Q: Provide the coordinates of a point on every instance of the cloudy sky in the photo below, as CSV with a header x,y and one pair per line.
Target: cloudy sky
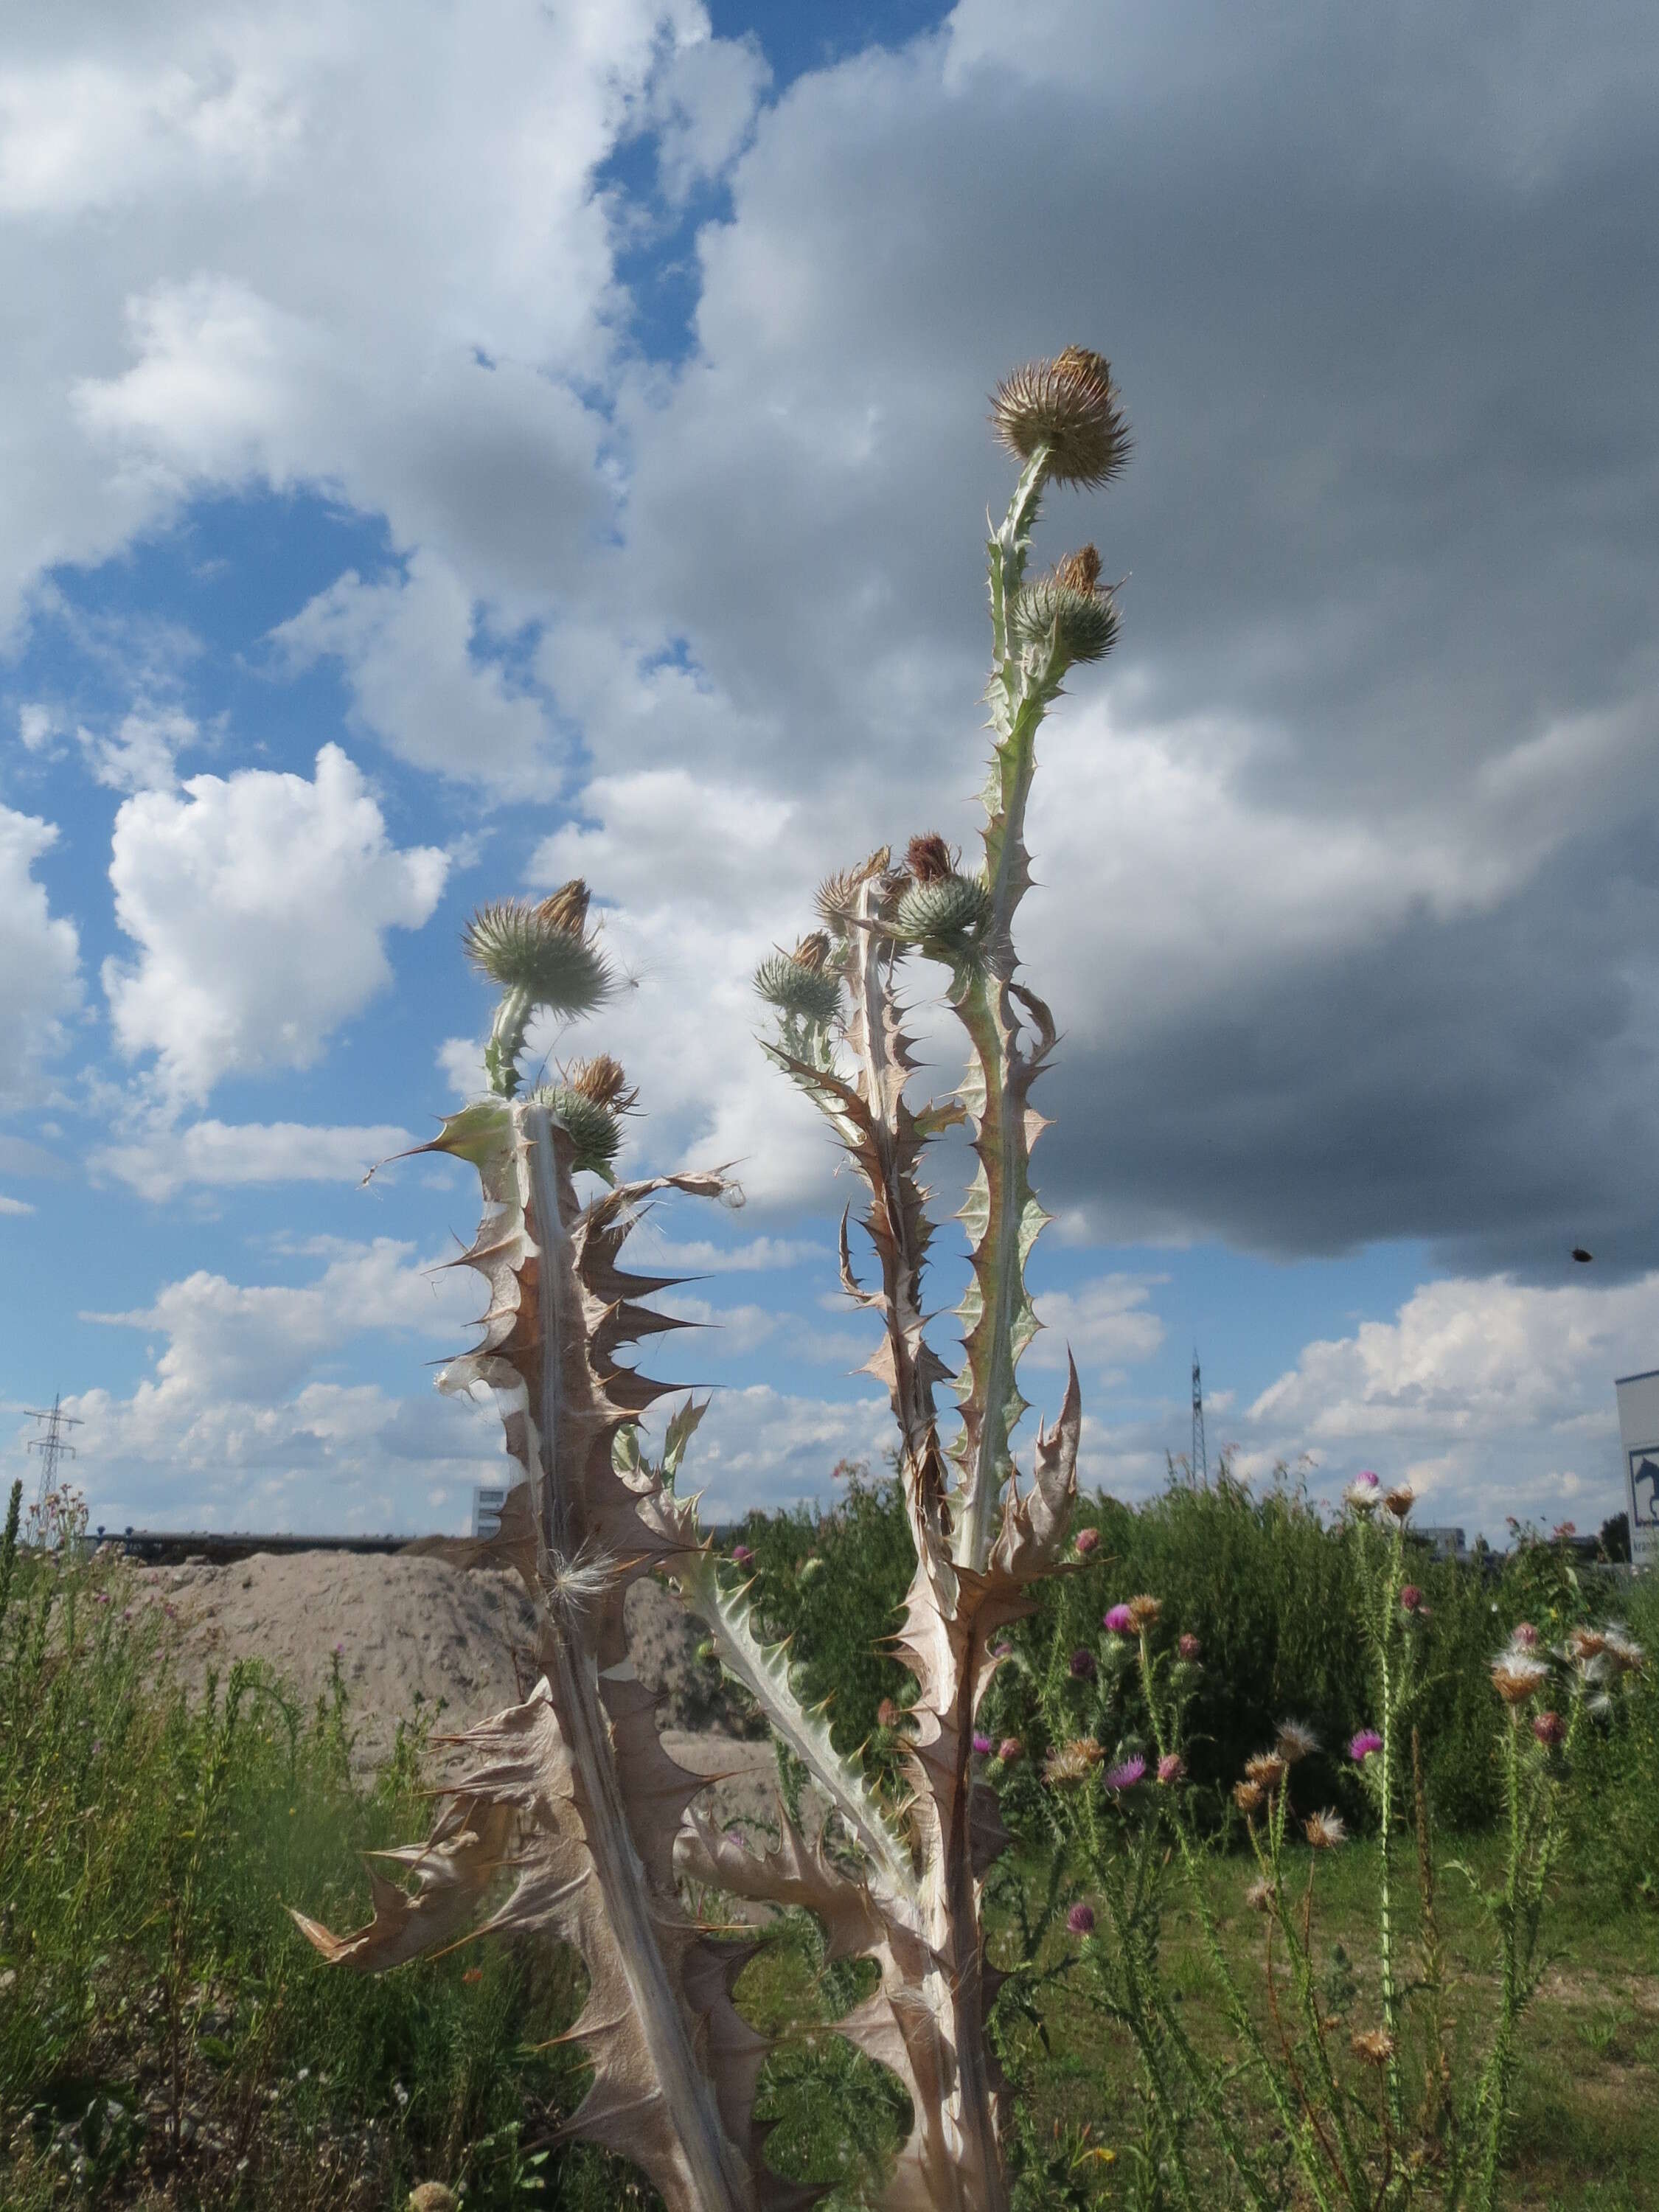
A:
x,y
448,450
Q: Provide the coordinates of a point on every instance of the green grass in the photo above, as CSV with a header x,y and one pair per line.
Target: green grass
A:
x,y
166,2037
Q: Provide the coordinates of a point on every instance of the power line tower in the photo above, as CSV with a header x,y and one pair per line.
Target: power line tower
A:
x,y
1200,1460
52,1443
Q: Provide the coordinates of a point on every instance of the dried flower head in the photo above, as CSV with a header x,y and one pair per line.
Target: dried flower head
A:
x,y
1625,1652
1079,571
1171,1769
1295,1740
1586,1642
1259,1895
1325,1831
1249,1797
1374,2045
602,1080
1399,1500
1125,1774
1549,1729
1266,1769
1517,1676
812,953
1361,1746
1068,404
836,894
1071,1762
1088,1540
1081,1920
1145,1611
929,858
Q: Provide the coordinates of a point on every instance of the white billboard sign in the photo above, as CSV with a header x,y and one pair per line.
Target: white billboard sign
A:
x,y
1638,1433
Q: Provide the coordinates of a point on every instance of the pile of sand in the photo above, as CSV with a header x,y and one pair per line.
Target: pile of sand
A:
x,y
416,1635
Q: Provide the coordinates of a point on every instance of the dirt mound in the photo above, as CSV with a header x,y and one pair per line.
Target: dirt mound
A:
x,y
416,1635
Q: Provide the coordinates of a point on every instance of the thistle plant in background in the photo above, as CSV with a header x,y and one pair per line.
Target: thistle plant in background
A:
x,y
571,1793
1371,2107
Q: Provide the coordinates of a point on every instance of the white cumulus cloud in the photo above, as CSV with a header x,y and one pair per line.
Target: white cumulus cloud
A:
x,y
259,905
39,962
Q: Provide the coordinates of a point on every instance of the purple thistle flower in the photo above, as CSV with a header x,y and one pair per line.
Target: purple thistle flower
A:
x,y
1368,1478
1083,1666
1126,1773
1363,1745
982,1744
1119,1621
339,1651
1087,1541
741,1555
1081,1920
1411,1597
1010,1749
1171,1768
1189,1648
1549,1729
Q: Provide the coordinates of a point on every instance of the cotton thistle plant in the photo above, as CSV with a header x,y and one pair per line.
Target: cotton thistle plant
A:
x,y
571,1792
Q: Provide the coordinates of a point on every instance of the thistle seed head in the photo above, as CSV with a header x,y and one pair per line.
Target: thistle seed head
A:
x,y
1248,1798
1516,1676
1374,2045
1400,1501
542,951
1079,571
1145,1611
1259,1895
812,953
1071,1762
836,894
1295,1740
808,992
1266,1770
1084,619
1070,406
1325,1831
946,911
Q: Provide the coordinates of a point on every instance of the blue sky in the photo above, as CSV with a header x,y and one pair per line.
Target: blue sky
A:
x,y
442,459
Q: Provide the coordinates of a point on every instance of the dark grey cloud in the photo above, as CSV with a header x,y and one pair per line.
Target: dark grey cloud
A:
x,y
1381,291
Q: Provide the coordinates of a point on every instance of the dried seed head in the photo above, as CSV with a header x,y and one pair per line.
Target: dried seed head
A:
x,y
535,949
812,953
810,993
1070,406
1144,1611
565,907
1295,1740
1079,571
1374,2045
1325,1831
1516,1676
1071,1762
602,1079
837,894
1400,1501
1586,1642
1266,1770
1259,1895
1248,1798
929,858
947,911
1084,622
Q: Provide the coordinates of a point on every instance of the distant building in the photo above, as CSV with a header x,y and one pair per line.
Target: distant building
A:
x,y
1445,1543
1638,1435
487,1503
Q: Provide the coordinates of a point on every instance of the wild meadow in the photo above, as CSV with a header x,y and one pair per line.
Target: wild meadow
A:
x,y
167,2037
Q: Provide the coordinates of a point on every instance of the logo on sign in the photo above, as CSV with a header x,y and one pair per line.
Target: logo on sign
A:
x,y
1645,1487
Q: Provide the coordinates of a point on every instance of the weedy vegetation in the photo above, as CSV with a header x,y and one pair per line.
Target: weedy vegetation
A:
x,y
1114,1872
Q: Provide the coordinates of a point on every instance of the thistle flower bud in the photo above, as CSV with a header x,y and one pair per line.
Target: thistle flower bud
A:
x,y
1087,1541
804,988
1171,1769
1411,1598
595,1139
945,910
1190,1650
1010,1749
1081,1920
1070,406
1524,1636
1083,617
541,950
1084,1669
1549,1729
